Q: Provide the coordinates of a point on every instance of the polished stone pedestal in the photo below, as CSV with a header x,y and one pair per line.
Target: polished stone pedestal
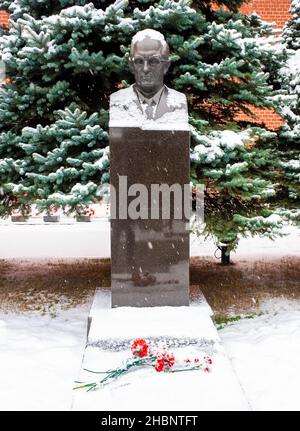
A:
x,y
150,257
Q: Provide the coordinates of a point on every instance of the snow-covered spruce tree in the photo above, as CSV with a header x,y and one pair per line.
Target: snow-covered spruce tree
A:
x,y
65,57
289,136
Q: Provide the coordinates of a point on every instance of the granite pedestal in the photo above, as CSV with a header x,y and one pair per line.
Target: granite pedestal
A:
x,y
149,254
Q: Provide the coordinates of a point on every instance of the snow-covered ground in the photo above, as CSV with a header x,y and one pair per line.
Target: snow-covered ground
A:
x,y
92,240
265,354
40,357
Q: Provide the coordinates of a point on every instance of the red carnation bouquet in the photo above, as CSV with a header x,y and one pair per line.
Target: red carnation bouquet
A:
x,y
157,357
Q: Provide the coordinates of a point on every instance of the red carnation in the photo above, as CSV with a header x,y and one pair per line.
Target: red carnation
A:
x,y
160,362
139,347
171,359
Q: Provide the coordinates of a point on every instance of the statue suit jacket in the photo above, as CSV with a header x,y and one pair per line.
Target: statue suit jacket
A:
x,y
126,110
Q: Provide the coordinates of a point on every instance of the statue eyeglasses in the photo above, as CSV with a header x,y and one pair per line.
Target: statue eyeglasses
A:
x,y
153,61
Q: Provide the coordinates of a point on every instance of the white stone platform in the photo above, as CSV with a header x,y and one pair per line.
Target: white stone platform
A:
x,y
189,331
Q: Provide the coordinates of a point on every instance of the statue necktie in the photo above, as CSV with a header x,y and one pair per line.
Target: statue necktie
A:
x,y
150,110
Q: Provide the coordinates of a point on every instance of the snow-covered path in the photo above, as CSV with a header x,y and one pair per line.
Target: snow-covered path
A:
x,y
40,357
83,240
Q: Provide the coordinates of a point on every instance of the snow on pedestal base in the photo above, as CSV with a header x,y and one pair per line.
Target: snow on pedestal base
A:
x,y
189,331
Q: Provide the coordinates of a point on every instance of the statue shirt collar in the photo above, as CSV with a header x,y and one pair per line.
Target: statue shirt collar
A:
x,y
149,101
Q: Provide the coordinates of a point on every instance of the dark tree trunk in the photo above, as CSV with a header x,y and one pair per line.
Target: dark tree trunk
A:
x,y
225,256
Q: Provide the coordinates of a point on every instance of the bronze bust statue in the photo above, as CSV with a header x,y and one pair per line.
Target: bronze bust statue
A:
x,y
149,103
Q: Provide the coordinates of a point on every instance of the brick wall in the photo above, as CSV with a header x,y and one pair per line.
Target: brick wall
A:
x,y
270,10
3,17
265,117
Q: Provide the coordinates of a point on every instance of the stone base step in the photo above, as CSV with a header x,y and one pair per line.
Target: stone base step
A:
x,y
186,330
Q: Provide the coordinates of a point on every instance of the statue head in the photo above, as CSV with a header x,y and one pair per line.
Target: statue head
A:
x,y
149,61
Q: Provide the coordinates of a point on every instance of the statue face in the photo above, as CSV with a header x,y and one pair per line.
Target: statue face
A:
x,y
148,66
